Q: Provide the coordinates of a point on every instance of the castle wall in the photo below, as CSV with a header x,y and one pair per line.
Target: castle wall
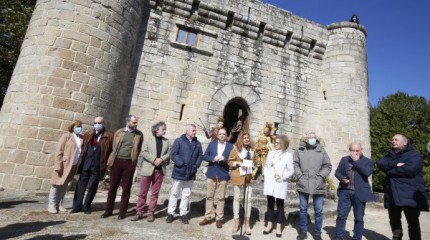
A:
x,y
74,64
81,59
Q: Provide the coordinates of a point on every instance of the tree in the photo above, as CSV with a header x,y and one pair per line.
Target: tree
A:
x,y
403,114
14,18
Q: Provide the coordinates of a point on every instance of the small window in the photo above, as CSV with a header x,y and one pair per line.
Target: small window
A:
x,y
187,36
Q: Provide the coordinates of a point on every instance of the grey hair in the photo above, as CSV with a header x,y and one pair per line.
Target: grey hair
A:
x,y
157,126
189,126
404,137
129,117
309,133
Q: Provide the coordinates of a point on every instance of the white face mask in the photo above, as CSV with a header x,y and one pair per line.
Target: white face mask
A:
x,y
312,141
98,127
77,130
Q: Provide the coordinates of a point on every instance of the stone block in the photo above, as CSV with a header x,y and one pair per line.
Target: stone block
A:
x,y
74,35
31,183
82,97
49,147
7,167
45,90
63,43
80,77
92,91
68,104
95,43
46,185
10,142
79,47
12,181
85,59
27,132
23,170
62,53
47,122
17,156
74,66
30,145
36,159
62,92
49,134
43,172
56,82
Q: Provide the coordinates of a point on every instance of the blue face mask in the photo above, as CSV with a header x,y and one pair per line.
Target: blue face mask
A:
x,y
312,141
98,127
77,130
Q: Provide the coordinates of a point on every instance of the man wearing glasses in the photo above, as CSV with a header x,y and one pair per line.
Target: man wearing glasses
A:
x,y
127,144
354,190
96,147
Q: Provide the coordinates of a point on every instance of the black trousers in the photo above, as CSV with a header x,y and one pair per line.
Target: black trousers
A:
x,y
279,215
89,179
412,217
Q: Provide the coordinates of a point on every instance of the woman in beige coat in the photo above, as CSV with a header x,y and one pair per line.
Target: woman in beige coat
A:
x,y
241,176
66,158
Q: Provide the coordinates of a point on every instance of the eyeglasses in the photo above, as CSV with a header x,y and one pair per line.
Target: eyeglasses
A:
x,y
98,123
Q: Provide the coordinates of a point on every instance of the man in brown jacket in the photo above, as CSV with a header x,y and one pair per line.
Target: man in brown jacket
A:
x,y
96,147
127,144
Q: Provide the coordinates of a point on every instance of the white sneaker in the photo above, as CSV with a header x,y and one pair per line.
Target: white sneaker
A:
x,y
62,209
52,210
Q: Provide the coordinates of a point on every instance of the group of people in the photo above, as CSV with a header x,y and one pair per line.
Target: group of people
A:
x,y
98,152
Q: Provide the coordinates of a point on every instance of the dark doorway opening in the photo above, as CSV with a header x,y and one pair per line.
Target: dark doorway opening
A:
x,y
236,116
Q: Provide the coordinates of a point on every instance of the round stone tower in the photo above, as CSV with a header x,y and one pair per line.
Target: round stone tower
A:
x,y
74,64
344,89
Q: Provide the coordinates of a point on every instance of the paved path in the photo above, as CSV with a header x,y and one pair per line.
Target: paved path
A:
x,y
23,215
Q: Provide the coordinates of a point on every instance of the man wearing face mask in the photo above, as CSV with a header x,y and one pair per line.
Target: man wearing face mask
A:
x,y
126,147
96,147
311,167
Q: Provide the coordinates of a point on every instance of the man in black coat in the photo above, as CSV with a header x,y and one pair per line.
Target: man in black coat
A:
x,y
404,186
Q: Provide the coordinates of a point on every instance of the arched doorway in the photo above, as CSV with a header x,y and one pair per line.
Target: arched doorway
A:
x,y
236,115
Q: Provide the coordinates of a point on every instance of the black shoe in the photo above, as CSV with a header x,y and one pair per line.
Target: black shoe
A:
x,y
169,218
87,211
121,216
302,236
106,214
184,219
317,237
279,235
75,211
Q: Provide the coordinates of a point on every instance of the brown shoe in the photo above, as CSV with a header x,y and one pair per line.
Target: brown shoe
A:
x,y
218,223
235,227
136,217
205,222
150,217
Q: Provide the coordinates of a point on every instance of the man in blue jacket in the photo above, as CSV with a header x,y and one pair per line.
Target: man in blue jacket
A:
x,y
217,176
187,155
354,190
404,187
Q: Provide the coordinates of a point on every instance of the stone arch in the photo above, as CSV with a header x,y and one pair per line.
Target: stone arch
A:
x,y
232,97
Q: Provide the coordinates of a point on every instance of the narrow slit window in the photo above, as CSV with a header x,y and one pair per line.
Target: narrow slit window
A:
x,y
187,36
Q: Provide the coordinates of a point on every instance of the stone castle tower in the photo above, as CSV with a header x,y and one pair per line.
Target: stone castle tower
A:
x,y
178,61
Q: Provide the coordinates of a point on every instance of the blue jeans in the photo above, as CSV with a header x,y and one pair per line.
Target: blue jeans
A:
x,y
318,200
348,199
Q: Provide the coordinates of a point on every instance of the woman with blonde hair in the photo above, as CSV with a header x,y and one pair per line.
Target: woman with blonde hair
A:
x,y
240,177
279,168
66,158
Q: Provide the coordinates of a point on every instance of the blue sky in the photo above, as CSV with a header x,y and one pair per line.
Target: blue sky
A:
x,y
398,39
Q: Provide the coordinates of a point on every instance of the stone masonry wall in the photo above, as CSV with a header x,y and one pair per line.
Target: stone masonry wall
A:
x,y
81,59
74,64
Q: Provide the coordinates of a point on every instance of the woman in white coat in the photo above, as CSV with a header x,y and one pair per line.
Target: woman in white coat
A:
x,y
279,168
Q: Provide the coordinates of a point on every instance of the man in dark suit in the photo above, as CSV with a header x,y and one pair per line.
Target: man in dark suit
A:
x,y
354,190
96,147
217,176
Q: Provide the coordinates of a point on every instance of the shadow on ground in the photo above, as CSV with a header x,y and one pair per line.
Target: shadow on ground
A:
x,y
19,229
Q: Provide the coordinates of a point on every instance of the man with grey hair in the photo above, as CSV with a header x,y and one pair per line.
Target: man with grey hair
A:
x,y
404,189
354,190
311,167
187,155
126,147
153,160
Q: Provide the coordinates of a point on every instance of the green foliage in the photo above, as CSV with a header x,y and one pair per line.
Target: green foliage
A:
x,y
403,114
14,18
